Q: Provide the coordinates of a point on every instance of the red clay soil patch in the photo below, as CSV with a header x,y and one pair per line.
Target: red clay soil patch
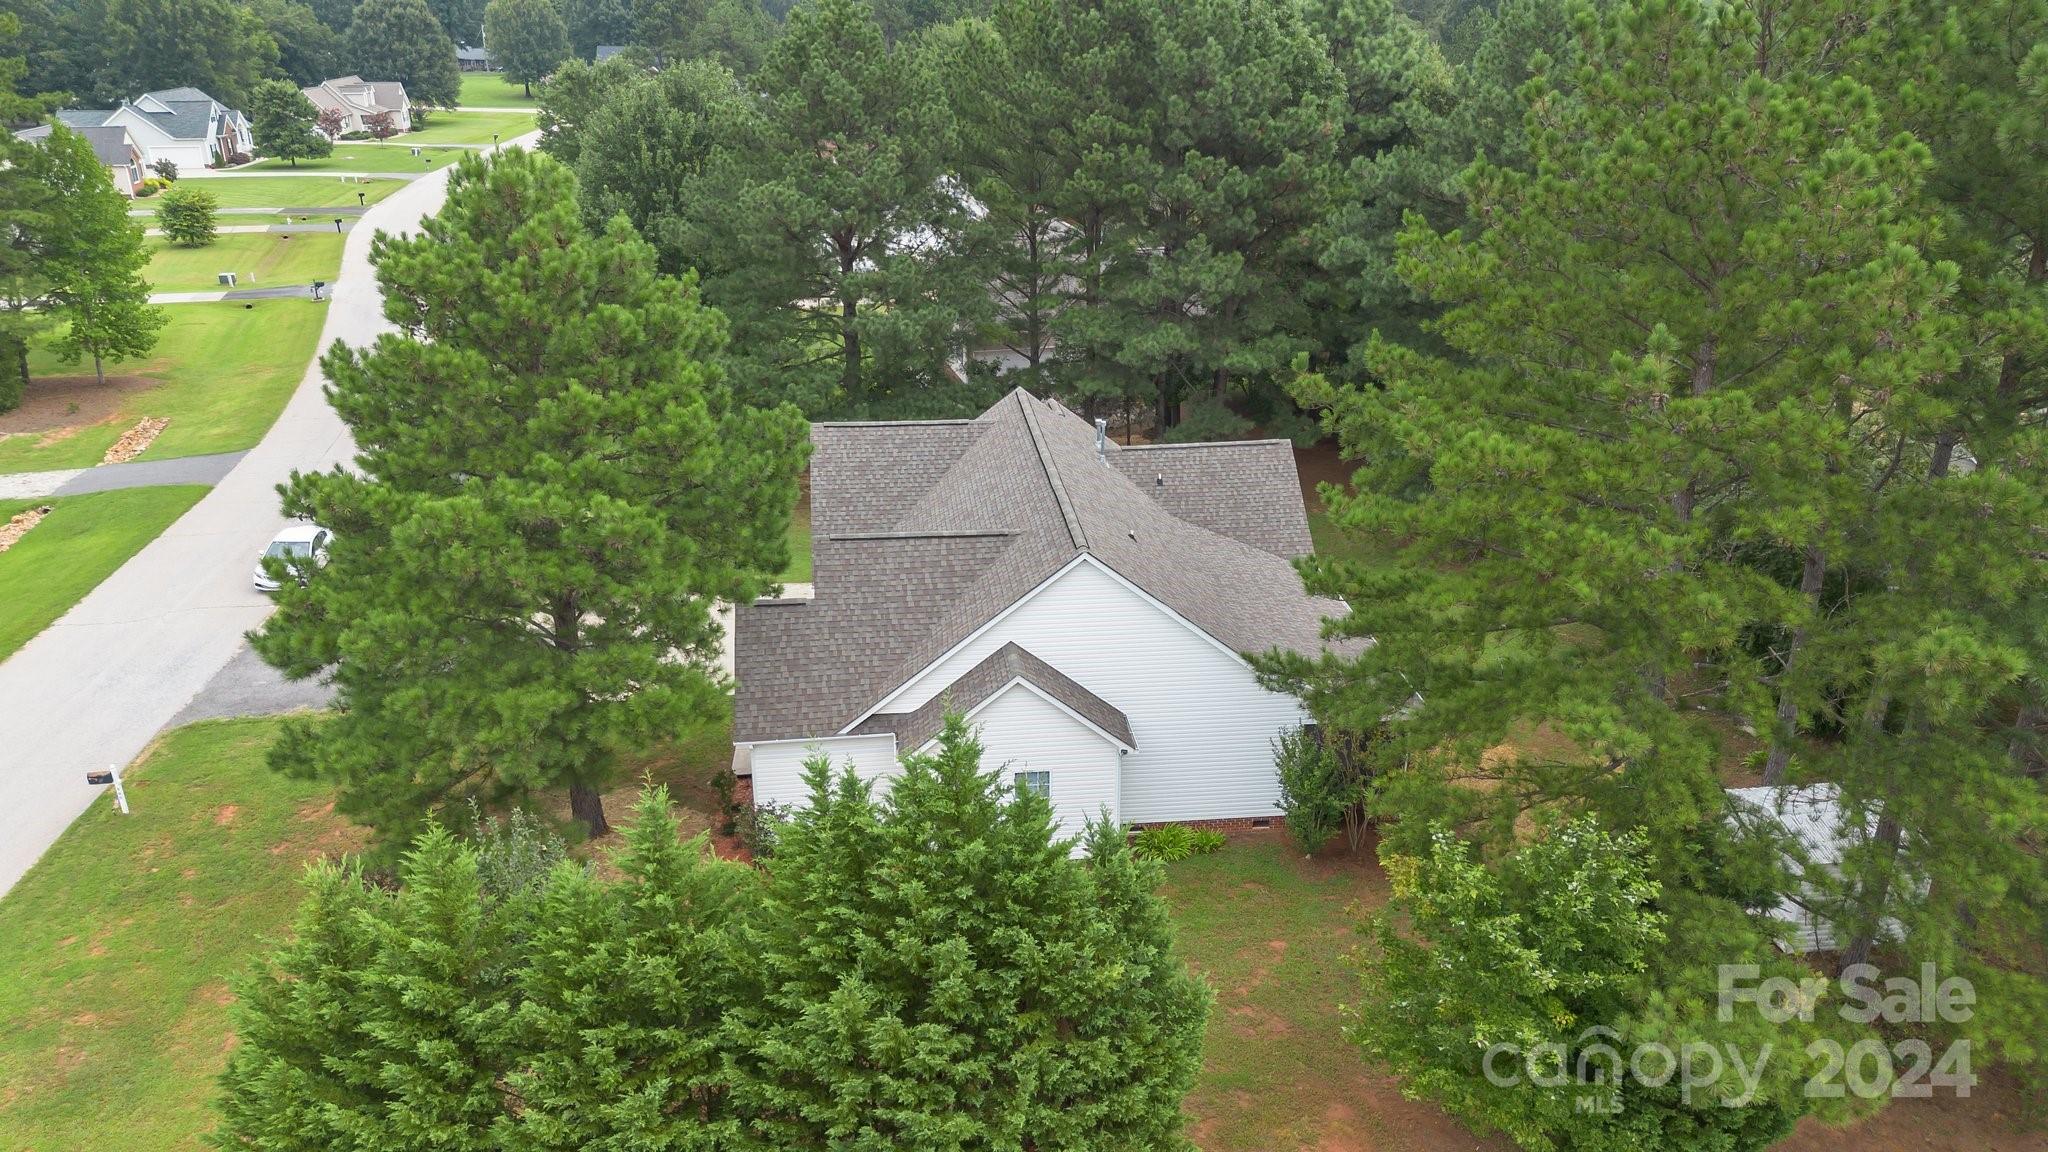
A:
x,y
1997,1117
18,525
56,407
134,440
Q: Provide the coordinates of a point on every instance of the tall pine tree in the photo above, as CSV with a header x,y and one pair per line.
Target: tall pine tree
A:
x,y
554,487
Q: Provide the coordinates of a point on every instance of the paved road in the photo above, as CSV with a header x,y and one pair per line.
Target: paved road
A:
x,y
274,292
107,477
97,685
245,229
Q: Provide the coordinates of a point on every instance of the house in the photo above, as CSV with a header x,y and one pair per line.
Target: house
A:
x,y
112,144
1086,606
182,125
359,101
472,59
607,51
1809,821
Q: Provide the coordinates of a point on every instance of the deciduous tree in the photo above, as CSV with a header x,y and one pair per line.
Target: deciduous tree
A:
x,y
285,124
401,40
592,23
90,256
527,39
554,488
186,215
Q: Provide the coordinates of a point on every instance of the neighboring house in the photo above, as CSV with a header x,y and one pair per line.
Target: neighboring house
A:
x,y
607,51
472,59
359,100
112,144
182,125
1084,605
1816,833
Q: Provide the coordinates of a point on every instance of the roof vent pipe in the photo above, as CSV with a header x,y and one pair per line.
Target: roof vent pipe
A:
x,y
1102,438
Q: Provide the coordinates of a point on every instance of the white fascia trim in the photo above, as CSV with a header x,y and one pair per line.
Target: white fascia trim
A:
x,y
821,741
1042,694
1076,562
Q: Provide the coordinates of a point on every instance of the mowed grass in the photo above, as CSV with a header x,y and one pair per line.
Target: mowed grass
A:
x,y
226,372
1274,934
492,90
119,944
284,191
258,259
469,128
80,543
799,568
355,156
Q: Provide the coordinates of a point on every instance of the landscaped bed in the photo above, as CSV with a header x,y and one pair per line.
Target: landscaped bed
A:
x,y
68,552
258,260
220,372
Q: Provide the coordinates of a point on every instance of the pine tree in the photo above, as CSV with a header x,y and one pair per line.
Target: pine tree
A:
x,y
384,1023
1703,372
91,257
841,236
937,973
527,39
554,486
622,997
1238,166
285,123
401,40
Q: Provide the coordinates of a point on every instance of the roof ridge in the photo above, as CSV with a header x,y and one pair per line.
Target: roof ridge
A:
x,y
1052,471
1205,444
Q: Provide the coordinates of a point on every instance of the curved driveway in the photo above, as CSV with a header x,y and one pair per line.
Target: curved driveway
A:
x,y
96,686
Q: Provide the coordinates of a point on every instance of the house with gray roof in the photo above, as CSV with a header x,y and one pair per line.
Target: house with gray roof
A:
x,y
111,143
1087,606
182,125
356,102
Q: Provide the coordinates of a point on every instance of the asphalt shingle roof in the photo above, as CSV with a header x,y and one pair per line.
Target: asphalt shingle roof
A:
x,y
916,728
922,532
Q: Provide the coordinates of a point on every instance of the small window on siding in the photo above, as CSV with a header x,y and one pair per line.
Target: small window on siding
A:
x,y
1039,782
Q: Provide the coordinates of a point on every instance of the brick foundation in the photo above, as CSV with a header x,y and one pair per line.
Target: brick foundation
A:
x,y
1232,825
743,792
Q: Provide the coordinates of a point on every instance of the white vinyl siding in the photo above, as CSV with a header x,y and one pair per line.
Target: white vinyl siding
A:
x,y
778,765
1022,731
1204,728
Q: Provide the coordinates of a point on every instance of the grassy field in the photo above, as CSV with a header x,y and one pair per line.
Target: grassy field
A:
x,y
352,156
119,944
492,90
226,372
470,128
285,191
77,545
259,259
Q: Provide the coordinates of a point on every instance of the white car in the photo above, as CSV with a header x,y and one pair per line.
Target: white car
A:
x,y
295,545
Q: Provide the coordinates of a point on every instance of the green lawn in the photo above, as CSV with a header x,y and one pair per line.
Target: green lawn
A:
x,y
1273,933
259,259
351,156
119,944
286,191
469,128
226,372
79,544
492,90
799,568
